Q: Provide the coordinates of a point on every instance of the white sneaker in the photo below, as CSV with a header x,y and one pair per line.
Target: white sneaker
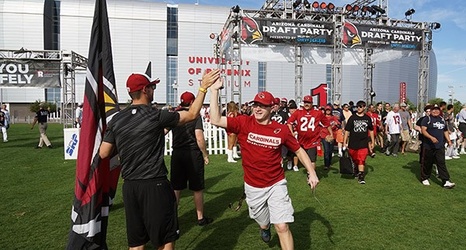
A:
x,y
449,184
448,158
426,182
295,168
455,157
289,165
340,154
462,152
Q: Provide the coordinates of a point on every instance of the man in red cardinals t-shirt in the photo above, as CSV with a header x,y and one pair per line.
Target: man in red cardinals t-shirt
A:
x,y
309,123
265,187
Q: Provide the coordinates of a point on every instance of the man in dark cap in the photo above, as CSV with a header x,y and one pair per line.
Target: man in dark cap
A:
x,y
188,158
435,133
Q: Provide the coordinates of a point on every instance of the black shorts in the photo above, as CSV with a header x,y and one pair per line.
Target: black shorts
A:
x,y
187,165
151,212
312,153
462,128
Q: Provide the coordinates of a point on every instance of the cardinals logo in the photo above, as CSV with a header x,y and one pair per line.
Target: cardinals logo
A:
x,y
351,37
250,32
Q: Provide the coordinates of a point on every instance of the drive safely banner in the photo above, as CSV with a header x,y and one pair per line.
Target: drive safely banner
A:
x,y
29,73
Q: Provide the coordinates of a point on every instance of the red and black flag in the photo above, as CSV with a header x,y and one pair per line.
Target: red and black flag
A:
x,y
96,179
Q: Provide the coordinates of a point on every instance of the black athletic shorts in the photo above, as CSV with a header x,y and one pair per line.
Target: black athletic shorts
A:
x,y
462,128
187,165
312,153
151,212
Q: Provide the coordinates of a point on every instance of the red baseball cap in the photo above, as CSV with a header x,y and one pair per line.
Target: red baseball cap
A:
x,y
186,98
307,98
277,100
284,99
138,81
264,98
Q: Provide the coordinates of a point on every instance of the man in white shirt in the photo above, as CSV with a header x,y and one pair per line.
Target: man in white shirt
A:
x,y
462,127
393,129
79,115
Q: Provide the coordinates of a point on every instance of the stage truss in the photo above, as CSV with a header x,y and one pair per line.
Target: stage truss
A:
x,y
276,10
70,63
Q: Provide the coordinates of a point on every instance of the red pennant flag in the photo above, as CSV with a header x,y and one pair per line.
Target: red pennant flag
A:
x,y
96,179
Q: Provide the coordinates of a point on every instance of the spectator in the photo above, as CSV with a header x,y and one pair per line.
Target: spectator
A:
x,y
451,152
393,129
136,133
435,132
79,116
41,118
406,126
309,123
265,186
189,156
232,150
4,122
358,130
376,123
462,127
327,142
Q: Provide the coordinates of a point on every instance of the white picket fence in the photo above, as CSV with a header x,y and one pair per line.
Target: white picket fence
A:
x,y
216,140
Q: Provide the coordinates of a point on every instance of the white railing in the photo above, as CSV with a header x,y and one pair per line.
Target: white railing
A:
x,y
216,140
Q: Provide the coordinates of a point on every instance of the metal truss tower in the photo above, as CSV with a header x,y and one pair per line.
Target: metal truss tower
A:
x,y
285,9
72,61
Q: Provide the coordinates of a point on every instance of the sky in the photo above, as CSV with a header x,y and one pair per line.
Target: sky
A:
x,y
448,42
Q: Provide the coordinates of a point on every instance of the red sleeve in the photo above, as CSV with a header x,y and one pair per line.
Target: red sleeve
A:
x,y
234,123
324,120
291,142
292,118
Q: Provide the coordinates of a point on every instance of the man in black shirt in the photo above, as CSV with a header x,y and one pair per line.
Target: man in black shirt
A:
x,y
41,118
358,129
435,132
188,158
137,135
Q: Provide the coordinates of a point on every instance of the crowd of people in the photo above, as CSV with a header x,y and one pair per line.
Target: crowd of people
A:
x,y
274,135
394,128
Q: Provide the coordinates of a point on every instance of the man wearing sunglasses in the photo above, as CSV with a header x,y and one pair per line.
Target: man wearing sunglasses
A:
x,y
358,129
265,186
137,134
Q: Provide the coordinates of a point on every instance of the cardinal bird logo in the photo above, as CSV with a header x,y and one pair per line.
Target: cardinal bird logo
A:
x,y
351,37
250,32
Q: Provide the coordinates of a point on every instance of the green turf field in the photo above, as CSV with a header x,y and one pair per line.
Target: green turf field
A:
x,y
392,211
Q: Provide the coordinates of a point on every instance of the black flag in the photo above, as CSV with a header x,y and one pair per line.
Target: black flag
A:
x,y
95,180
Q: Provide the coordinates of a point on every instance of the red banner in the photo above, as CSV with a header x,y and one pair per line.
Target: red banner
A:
x,y
402,92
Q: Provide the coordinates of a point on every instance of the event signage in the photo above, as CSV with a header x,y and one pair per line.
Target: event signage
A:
x,y
387,37
261,30
29,73
314,33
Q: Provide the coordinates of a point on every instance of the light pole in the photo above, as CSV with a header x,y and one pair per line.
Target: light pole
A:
x,y
450,93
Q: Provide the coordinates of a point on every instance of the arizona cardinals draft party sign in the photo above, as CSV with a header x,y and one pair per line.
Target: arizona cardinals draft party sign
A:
x,y
315,33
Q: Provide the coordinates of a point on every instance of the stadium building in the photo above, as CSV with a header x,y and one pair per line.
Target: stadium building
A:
x,y
177,40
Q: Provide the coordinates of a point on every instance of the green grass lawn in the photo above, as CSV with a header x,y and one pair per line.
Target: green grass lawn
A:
x,y
392,211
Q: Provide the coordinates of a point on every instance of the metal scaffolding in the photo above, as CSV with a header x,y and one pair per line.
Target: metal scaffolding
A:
x,y
70,62
275,9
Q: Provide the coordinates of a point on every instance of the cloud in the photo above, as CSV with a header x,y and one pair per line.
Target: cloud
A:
x,y
450,56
